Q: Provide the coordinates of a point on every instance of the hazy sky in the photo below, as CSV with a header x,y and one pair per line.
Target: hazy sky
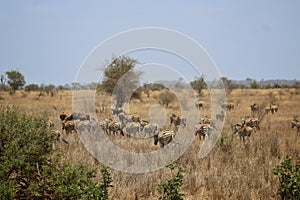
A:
x,y
47,41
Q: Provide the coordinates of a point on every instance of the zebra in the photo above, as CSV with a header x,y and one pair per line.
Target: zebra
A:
x,y
132,128
115,128
242,130
220,116
150,129
199,105
252,122
203,130
227,106
295,123
164,138
177,120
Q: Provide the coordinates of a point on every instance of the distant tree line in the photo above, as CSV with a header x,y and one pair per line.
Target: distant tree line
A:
x,y
118,67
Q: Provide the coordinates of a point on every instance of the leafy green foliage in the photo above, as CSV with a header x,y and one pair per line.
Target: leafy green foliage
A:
x,y
24,144
29,169
114,73
289,178
106,184
15,80
199,84
170,189
31,87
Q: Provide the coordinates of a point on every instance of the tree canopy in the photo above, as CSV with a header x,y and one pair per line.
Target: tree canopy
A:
x,y
15,80
120,72
199,84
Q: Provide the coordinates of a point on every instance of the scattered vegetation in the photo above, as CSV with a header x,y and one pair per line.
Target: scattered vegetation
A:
x,y
30,170
166,97
199,84
170,189
289,178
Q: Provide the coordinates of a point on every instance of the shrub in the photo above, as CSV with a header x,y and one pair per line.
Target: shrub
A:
x,y
170,190
105,184
166,97
289,178
29,170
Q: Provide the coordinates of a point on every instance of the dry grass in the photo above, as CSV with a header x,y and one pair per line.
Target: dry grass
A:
x,y
232,170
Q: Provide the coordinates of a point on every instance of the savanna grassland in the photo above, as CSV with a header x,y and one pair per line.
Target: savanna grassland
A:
x,y
232,170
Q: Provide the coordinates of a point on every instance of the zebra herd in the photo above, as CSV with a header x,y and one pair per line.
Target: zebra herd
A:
x,y
132,125
129,125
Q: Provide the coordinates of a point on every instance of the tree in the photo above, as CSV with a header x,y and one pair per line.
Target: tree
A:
x,y
254,85
199,84
114,73
228,85
166,97
31,87
15,80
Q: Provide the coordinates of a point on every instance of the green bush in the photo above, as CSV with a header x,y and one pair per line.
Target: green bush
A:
x,y
289,178
29,170
104,186
170,189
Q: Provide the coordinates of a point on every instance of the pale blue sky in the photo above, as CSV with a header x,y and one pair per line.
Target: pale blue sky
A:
x,y
48,40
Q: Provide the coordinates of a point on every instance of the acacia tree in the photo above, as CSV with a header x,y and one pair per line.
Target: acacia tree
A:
x,y
31,87
15,80
229,86
199,84
114,73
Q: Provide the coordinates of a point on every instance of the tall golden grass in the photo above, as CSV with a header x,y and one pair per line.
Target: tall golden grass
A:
x,y
232,170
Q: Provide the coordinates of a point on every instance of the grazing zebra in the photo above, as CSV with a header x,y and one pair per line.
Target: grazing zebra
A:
x,y
68,126
132,128
124,118
252,122
115,128
104,125
254,108
67,123
164,138
136,118
116,111
206,120
220,116
272,108
150,129
81,117
62,116
243,131
295,123
177,120
228,106
199,105
203,131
